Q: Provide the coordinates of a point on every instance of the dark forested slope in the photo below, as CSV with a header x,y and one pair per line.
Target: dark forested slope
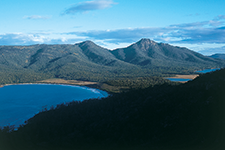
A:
x,y
185,116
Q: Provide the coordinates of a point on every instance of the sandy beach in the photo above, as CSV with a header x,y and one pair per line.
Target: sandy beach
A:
x,y
58,81
71,82
193,76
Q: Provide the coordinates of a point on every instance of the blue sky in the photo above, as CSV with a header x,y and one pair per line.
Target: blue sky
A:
x,y
196,24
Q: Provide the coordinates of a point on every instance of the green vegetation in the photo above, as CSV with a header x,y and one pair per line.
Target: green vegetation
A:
x,y
185,116
126,84
88,61
147,113
148,53
21,76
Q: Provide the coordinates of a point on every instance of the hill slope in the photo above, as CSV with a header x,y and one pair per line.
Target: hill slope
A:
x,y
85,61
41,57
88,61
187,116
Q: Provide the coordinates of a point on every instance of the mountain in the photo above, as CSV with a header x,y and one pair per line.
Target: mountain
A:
x,y
42,57
164,117
97,54
88,61
149,53
85,61
220,56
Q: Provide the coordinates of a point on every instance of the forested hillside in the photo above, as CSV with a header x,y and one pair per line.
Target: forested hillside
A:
x,y
185,117
88,61
149,53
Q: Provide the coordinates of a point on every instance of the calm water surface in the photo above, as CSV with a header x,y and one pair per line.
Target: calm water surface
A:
x,y
178,79
207,70
21,102
200,71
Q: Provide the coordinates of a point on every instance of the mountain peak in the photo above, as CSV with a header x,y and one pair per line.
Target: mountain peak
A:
x,y
87,42
145,43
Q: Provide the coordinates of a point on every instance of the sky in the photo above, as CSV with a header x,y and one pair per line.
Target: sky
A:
x,y
196,24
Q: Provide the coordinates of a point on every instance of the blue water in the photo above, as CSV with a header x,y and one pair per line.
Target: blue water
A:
x,y
207,70
18,103
200,71
178,79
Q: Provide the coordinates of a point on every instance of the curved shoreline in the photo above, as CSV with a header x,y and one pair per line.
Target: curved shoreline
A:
x,y
92,85
57,81
92,92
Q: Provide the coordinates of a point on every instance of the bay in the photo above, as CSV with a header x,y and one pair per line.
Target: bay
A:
x,y
20,102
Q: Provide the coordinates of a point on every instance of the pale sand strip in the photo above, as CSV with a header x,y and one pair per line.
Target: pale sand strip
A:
x,y
76,82
193,76
58,81
62,81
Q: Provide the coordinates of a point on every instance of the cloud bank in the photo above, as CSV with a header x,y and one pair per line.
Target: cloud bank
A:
x,y
30,39
212,31
88,6
122,35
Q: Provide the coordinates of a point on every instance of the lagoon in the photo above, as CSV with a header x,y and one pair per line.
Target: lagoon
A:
x,y
20,102
207,70
178,79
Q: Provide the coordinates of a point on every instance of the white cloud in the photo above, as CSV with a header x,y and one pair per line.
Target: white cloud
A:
x,y
19,39
219,17
88,6
122,35
212,31
30,39
189,34
37,17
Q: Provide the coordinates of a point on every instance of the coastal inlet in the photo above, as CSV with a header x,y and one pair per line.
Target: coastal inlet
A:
x,y
29,99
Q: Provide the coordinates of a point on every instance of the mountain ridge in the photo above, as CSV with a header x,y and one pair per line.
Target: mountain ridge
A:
x,y
147,52
89,61
218,55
